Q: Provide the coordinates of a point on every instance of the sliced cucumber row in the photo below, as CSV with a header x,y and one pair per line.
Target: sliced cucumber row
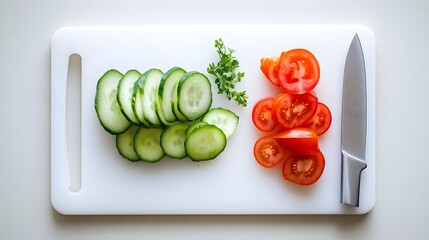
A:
x,y
151,99
200,141
158,114
204,142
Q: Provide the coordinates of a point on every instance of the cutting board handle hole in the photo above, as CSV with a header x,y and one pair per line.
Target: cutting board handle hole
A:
x,y
74,121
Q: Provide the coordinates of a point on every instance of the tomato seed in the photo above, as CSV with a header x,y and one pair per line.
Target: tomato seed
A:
x,y
305,166
268,151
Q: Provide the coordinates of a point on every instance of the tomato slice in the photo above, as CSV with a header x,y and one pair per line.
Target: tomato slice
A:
x,y
268,153
293,110
321,121
262,115
298,71
269,68
298,140
304,169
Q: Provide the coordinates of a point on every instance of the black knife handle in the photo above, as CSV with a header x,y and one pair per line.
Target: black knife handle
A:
x,y
350,179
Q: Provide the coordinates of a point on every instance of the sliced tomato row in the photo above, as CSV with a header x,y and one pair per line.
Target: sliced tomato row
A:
x,y
292,120
287,111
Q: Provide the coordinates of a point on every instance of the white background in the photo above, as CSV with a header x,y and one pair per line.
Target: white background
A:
x,y
402,35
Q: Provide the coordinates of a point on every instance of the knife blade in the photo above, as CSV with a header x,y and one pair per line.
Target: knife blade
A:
x,y
353,123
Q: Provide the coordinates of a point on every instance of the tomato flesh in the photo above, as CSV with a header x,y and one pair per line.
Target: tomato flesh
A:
x,y
304,169
292,110
321,121
262,115
268,153
298,140
268,67
298,71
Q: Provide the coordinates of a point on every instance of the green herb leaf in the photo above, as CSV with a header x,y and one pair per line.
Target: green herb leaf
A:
x,y
225,73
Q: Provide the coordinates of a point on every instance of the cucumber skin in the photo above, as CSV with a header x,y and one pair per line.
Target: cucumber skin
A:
x,y
194,126
97,99
163,121
164,78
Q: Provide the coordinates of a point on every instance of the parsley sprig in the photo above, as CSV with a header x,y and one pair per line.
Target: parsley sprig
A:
x,y
226,75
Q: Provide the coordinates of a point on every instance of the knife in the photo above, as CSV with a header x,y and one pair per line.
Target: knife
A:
x,y
353,124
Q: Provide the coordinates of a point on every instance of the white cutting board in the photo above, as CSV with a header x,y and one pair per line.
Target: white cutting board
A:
x,y
231,184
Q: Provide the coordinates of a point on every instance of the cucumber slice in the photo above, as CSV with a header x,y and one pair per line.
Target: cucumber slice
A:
x,y
106,103
164,102
173,141
124,144
223,119
175,104
137,104
205,143
194,126
147,144
125,95
161,116
149,84
194,95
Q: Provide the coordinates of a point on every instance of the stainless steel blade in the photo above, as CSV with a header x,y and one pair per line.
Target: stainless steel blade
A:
x,y
353,123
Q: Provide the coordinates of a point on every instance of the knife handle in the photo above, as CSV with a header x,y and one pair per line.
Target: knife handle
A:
x,y
350,179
